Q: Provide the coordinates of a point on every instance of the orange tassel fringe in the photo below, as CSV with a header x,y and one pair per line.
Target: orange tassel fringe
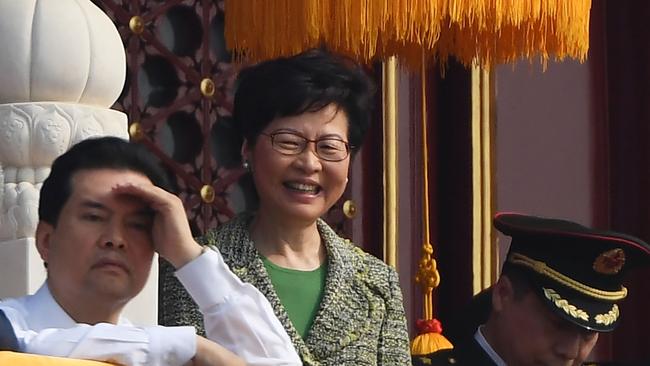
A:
x,y
484,32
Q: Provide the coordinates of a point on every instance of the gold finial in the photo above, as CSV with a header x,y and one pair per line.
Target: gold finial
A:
x,y
136,24
207,193
207,87
135,131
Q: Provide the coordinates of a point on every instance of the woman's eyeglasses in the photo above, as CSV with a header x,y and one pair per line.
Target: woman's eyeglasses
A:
x,y
327,148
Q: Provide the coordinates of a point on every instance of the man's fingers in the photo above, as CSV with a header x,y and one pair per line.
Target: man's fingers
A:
x,y
171,232
152,194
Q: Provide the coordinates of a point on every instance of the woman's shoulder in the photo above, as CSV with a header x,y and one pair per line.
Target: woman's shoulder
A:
x,y
369,261
370,271
232,240
378,274
232,231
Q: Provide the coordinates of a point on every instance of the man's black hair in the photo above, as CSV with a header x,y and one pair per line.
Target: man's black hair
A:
x,y
93,154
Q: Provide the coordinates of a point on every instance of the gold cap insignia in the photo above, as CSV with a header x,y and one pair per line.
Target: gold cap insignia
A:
x,y
610,262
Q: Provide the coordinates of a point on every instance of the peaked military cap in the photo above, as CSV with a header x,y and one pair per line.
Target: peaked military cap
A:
x,y
577,271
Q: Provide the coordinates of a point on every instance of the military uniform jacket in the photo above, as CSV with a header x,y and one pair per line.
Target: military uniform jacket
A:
x,y
470,353
361,318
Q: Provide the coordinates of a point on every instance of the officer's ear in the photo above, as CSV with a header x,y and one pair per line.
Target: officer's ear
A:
x,y
502,294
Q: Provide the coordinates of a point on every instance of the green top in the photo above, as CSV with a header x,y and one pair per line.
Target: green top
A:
x,y
300,292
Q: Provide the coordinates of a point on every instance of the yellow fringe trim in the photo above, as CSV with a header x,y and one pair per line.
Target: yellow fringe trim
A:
x,y
484,32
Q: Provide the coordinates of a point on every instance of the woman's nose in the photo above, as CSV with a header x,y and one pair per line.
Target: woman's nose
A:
x,y
309,160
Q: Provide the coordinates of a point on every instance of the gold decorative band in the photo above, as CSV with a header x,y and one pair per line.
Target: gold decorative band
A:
x,y
543,269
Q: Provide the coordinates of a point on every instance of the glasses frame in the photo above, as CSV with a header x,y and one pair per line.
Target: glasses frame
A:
x,y
272,135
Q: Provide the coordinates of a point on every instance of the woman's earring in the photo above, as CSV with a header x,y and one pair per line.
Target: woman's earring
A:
x,y
245,165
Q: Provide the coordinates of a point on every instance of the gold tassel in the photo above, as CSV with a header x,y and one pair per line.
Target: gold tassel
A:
x,y
430,338
484,32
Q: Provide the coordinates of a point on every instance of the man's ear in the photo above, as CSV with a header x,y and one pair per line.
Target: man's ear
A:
x,y
502,294
44,232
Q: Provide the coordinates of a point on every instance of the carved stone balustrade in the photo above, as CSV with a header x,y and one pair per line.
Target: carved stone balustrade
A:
x,y
62,66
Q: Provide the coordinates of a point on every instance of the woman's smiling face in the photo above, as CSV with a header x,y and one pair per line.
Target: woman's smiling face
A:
x,y
299,187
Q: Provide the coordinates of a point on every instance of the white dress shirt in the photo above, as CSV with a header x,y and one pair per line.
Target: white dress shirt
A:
x,y
236,315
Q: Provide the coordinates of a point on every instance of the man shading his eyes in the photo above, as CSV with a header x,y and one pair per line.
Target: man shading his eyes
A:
x,y
104,210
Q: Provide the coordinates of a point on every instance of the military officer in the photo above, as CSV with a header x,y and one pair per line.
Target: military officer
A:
x,y
559,288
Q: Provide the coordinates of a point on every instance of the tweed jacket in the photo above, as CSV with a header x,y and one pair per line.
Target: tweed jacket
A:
x,y
361,318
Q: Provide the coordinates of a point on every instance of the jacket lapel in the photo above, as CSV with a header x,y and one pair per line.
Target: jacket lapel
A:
x,y
344,310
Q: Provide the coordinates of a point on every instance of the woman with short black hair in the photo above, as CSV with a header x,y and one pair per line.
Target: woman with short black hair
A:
x,y
302,117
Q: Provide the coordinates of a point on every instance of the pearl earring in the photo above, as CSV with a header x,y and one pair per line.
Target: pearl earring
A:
x,y
245,165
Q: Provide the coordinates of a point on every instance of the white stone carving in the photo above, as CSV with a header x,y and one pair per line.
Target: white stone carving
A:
x,y
59,51
62,66
32,135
